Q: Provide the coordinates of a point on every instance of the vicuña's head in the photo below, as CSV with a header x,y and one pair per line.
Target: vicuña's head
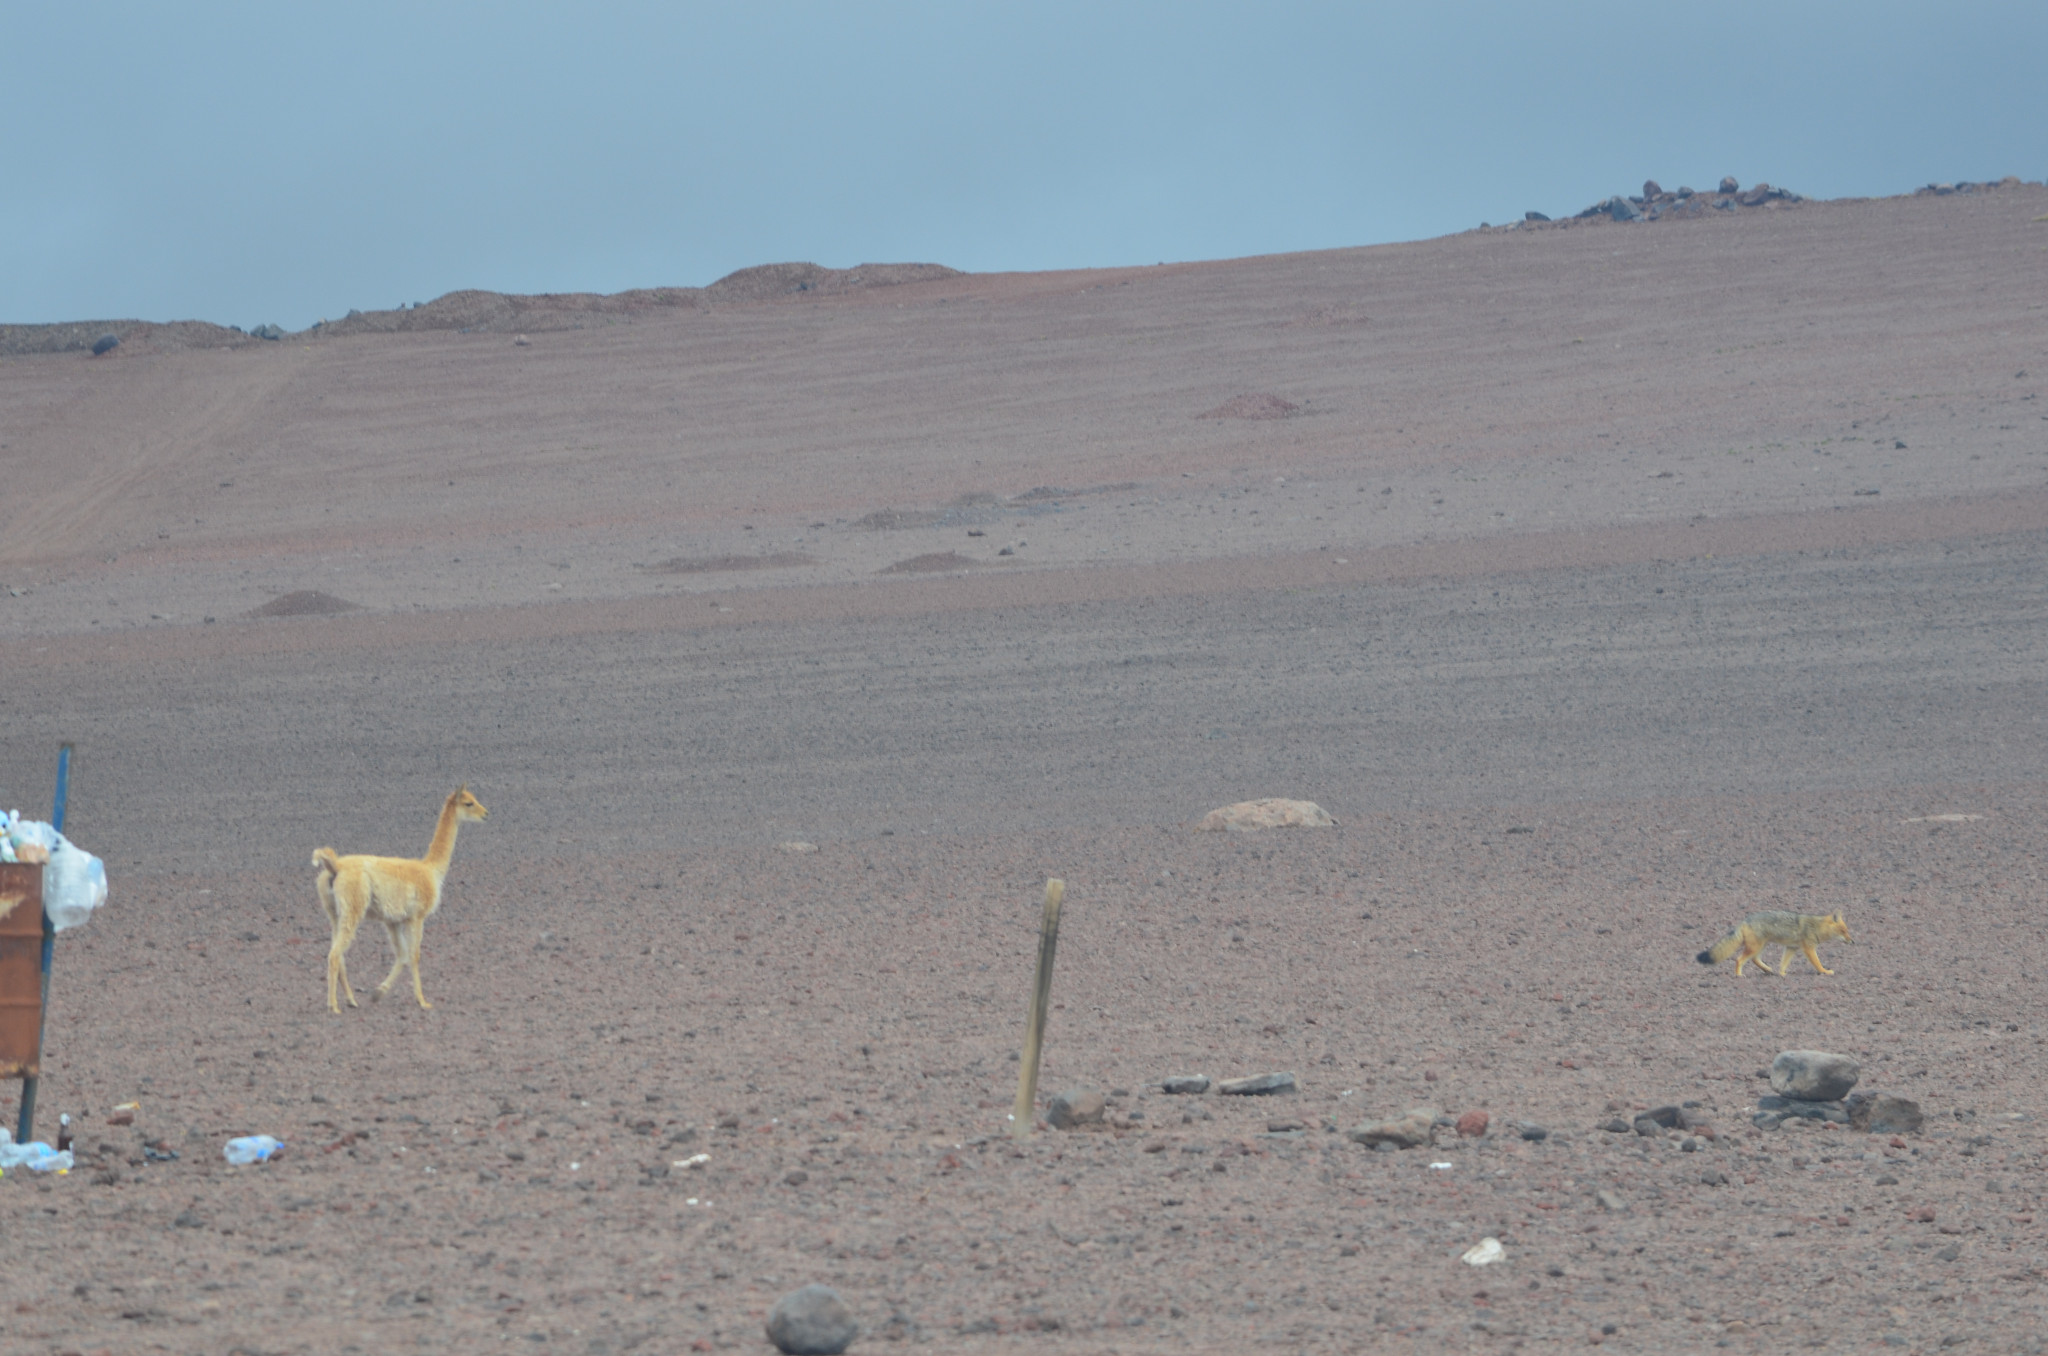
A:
x,y
468,806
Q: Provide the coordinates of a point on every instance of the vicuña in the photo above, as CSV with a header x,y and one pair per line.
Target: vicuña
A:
x,y
401,891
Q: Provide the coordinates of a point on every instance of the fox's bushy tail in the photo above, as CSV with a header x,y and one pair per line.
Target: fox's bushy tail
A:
x,y
1722,949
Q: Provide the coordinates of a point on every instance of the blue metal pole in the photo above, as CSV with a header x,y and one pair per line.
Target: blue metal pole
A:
x,y
25,1130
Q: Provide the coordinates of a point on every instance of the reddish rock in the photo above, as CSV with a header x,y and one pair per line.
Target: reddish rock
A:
x,y
1472,1124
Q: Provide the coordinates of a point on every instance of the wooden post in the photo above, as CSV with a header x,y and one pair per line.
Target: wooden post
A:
x,y
1041,1004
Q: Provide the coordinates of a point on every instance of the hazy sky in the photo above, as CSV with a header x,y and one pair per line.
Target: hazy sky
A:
x,y
250,163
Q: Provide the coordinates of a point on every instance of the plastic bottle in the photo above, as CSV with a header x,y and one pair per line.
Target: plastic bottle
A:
x,y
251,1149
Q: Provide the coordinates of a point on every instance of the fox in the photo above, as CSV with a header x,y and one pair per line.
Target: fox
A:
x,y
1805,931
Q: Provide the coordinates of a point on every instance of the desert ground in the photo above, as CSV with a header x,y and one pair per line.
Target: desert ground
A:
x,y
1605,582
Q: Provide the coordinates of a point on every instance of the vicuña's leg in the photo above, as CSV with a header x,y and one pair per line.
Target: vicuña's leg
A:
x,y
351,901
413,932
396,931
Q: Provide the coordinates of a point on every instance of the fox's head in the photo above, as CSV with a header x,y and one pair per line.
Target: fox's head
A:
x,y
1833,926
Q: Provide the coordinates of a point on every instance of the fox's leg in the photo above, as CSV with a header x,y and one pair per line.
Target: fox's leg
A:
x,y
1811,955
396,932
413,933
1751,951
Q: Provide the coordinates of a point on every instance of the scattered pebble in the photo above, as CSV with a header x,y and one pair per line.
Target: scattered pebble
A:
x,y
1472,1124
1184,1084
1259,1085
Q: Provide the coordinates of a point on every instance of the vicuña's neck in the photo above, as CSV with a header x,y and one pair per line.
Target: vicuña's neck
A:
x,y
442,849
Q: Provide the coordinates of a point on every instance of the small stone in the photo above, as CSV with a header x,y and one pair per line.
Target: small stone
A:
x,y
795,1177
1249,816
1886,1179
1408,1131
1184,1084
1534,1133
1077,1107
812,1321
1949,1253
1652,190
1259,1085
1533,216
1657,1120
1713,1177
188,1220
1610,1201
1284,1127
1690,1144
797,845
1813,1075
105,344
1616,1126
1473,1124
1730,184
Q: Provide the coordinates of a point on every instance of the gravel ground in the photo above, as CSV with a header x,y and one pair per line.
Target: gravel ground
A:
x,y
1563,759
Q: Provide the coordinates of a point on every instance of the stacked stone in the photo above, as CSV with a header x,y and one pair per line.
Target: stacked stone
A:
x,y
1814,1085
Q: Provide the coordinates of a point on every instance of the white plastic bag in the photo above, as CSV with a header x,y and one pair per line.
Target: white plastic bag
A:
x,y
74,884
36,1156
74,881
251,1149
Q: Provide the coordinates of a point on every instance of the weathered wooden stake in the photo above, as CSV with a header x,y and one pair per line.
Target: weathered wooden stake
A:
x,y
1041,1004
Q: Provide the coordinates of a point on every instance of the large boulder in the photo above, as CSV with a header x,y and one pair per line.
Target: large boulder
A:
x,y
812,1321
1814,1075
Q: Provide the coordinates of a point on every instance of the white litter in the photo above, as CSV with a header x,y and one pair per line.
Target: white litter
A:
x,y
251,1149
35,1155
74,881
1484,1251
693,1161
1439,1167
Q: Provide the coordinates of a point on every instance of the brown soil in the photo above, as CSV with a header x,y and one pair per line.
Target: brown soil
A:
x,y
304,603
1253,407
1628,580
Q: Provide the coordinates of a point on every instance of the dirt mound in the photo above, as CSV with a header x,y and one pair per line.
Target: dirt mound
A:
x,y
304,603
889,520
707,564
475,311
934,563
765,282
78,336
1258,406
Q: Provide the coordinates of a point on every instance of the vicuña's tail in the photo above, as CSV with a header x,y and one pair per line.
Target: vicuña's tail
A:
x,y
328,860
1722,949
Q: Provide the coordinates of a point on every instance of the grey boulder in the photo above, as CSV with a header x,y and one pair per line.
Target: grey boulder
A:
x,y
812,1321
1814,1075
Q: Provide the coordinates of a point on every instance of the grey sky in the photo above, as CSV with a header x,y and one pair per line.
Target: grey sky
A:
x,y
248,163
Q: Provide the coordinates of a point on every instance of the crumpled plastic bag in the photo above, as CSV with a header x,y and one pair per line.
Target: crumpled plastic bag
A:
x,y
74,881
36,1156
